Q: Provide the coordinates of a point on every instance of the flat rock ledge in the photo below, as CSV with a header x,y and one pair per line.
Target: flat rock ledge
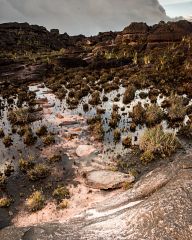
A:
x,y
105,179
85,150
158,207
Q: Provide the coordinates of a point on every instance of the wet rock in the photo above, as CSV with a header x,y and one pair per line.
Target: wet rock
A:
x,y
85,150
105,179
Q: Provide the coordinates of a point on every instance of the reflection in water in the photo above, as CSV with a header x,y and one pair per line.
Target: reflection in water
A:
x,y
110,148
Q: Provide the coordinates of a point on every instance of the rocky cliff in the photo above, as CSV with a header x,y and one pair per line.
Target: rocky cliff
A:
x,y
22,37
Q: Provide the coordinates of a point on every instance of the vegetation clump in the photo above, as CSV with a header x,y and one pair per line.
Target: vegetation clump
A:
x,y
155,141
49,139
20,116
147,157
42,131
117,135
63,204
5,202
3,180
153,115
9,169
29,138
127,141
7,140
129,94
26,164
2,134
177,110
60,193
36,201
39,171
95,98
96,127
55,158
115,117
138,114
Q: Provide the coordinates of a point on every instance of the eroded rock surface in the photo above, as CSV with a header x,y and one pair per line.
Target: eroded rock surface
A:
x,y
159,206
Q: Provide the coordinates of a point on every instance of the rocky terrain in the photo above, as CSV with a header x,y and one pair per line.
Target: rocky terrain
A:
x,y
95,133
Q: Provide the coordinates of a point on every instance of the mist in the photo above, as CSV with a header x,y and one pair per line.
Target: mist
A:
x,y
85,16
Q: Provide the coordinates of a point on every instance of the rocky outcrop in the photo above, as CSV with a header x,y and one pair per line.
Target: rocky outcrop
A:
x,y
23,37
159,34
169,32
133,33
159,206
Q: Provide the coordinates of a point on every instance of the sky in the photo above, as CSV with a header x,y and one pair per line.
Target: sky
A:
x,y
177,7
91,16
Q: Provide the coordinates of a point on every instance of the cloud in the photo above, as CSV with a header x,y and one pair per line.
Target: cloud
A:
x,y
82,16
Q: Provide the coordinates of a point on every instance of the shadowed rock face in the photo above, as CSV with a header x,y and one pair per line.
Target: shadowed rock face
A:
x,y
159,206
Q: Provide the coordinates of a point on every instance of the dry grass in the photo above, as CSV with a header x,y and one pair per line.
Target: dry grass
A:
x,y
154,114
61,193
5,202
26,164
40,171
49,139
19,116
63,204
7,140
35,202
117,135
42,131
177,110
156,141
129,94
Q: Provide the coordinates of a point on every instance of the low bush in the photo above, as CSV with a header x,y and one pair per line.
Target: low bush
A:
x,y
156,141
35,202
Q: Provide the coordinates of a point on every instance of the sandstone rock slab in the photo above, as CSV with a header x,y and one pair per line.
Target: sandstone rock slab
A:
x,y
106,179
85,150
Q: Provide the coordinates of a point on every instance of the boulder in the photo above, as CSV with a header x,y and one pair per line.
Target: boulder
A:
x,y
106,179
85,150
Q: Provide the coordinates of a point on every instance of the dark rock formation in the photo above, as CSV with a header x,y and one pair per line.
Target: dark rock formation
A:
x,y
169,32
22,36
155,35
159,206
